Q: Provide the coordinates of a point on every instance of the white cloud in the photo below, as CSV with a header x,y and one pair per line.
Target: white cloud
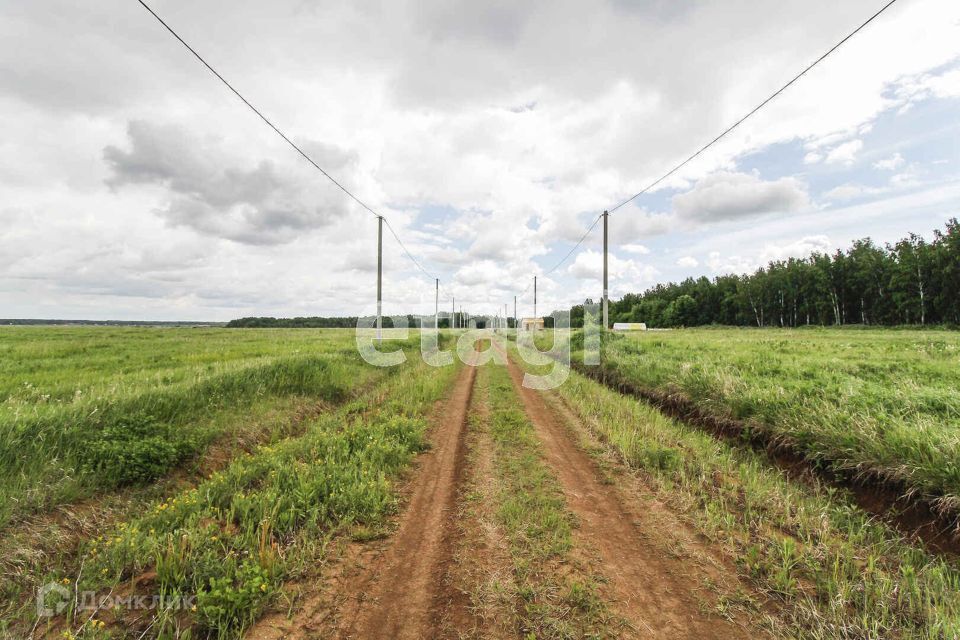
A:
x,y
730,264
889,164
588,265
845,153
742,264
798,249
849,191
728,195
515,121
639,249
687,262
909,177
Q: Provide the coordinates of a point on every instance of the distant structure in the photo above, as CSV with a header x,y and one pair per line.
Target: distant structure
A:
x,y
531,324
629,326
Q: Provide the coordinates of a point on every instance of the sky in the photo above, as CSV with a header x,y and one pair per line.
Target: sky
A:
x,y
133,185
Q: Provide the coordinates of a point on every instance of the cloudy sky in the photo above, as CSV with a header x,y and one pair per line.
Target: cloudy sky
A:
x,y
490,134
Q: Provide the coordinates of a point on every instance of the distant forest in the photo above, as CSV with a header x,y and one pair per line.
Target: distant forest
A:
x,y
293,323
912,282
110,323
314,322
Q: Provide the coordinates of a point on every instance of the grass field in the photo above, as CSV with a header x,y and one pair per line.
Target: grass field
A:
x,y
840,573
90,409
261,472
881,404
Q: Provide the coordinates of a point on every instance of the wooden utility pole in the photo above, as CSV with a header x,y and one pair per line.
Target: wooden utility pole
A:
x,y
516,320
436,307
380,279
606,317
453,311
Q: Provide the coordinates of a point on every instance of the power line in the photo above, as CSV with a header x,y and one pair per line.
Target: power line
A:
x,y
405,250
567,256
282,134
755,109
719,137
255,110
574,248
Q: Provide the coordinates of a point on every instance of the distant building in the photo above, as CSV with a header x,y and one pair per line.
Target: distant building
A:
x,y
531,324
629,326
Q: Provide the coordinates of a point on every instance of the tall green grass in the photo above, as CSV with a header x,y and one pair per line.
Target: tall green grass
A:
x,y
836,572
878,404
555,596
235,538
42,367
143,400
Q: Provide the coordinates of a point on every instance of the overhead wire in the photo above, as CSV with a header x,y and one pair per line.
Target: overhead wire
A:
x,y
755,109
724,133
646,189
407,251
574,248
280,133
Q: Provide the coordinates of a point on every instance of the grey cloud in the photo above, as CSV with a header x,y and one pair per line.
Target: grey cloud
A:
x,y
728,195
499,23
209,194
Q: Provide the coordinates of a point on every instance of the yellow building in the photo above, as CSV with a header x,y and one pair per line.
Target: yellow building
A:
x,y
531,324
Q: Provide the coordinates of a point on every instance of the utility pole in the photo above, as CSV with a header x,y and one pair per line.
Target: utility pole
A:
x,y
379,278
453,311
606,319
436,308
535,303
516,320
506,318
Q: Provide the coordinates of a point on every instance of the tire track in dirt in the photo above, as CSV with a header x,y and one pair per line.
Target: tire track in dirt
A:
x,y
654,591
483,566
408,593
401,587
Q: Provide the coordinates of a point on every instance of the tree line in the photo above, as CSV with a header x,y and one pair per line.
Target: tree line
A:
x,y
320,322
314,322
913,282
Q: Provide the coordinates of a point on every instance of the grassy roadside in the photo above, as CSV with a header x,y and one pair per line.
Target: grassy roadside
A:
x,y
235,538
555,596
28,550
142,423
838,573
870,403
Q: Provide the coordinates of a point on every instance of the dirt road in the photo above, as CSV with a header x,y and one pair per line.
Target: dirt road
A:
x,y
398,589
417,583
657,593
407,592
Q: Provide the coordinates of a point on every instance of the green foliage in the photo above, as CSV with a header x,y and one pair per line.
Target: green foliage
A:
x,y
911,282
835,572
98,408
312,322
875,403
233,539
234,601
135,450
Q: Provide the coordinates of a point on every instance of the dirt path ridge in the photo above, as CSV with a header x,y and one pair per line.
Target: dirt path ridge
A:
x,y
655,592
